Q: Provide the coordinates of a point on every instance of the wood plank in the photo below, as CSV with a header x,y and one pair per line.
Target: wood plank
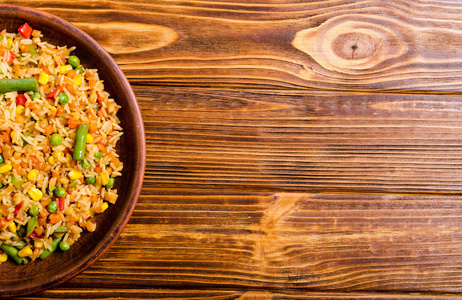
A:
x,y
342,44
222,294
312,242
299,141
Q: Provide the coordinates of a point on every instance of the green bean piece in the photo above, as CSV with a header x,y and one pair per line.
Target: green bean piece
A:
x,y
80,142
32,51
53,245
21,232
2,160
31,225
18,85
17,182
61,229
12,252
20,244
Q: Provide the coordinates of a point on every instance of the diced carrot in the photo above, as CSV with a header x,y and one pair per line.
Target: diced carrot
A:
x,y
44,213
33,105
48,130
46,149
3,222
59,109
101,113
98,169
72,122
93,198
71,73
91,226
73,163
5,138
102,148
24,164
70,88
44,203
101,97
54,218
18,168
54,174
39,230
93,127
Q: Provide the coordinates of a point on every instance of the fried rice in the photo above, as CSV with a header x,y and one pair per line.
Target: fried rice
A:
x,y
47,196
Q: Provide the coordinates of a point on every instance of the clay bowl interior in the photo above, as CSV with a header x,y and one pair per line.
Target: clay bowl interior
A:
x,y
62,266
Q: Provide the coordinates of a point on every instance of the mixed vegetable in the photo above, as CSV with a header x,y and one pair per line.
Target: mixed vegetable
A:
x,y
47,209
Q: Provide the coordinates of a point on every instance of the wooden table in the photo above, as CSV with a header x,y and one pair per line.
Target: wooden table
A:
x,y
294,150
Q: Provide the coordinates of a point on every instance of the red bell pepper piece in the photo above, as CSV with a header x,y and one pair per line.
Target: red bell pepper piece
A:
x,y
8,56
25,30
33,235
52,93
21,100
60,202
17,208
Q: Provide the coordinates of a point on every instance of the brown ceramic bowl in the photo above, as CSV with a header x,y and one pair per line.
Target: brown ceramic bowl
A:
x,y
42,274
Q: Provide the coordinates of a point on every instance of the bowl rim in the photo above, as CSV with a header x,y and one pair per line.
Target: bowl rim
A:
x,y
93,255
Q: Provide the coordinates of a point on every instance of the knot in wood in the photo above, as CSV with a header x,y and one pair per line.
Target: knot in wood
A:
x,y
354,45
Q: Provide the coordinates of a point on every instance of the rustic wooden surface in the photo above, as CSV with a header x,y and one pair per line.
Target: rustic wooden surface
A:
x,y
295,149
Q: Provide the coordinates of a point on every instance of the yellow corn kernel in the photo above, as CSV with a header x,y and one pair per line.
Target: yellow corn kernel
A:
x,y
104,178
13,134
69,156
12,227
51,160
24,252
19,110
54,110
109,171
3,257
104,206
38,244
35,193
90,139
58,154
43,78
9,43
78,79
74,174
33,175
5,168
64,69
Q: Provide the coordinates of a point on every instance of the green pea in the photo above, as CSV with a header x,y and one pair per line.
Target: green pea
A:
x,y
2,160
34,210
90,180
36,95
99,155
80,70
60,192
56,139
84,164
73,61
110,182
63,98
64,246
52,207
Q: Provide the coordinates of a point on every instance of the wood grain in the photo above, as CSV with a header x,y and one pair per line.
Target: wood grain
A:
x,y
280,141
310,242
295,149
403,45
